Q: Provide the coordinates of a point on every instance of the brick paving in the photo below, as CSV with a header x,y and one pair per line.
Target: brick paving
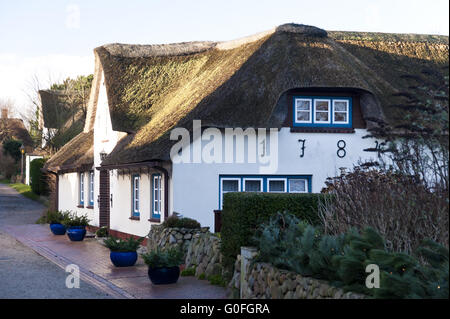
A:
x,y
96,268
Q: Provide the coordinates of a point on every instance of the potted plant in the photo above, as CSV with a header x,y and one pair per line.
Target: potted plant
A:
x,y
55,219
164,265
123,252
76,226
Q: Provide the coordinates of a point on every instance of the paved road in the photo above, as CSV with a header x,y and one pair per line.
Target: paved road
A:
x,y
23,273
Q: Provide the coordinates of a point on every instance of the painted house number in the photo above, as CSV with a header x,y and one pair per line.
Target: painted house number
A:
x,y
302,147
341,152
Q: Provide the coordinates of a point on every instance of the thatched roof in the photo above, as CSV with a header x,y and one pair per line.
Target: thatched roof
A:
x,y
13,128
152,89
75,155
58,113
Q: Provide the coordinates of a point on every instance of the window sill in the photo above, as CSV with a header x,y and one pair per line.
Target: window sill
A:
x,y
135,218
155,220
80,206
298,129
90,207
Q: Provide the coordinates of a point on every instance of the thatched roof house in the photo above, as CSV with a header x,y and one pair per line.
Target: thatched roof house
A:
x,y
61,113
13,128
153,88
75,155
343,81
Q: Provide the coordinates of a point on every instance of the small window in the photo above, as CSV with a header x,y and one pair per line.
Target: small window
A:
x,y
91,188
276,185
230,185
298,186
156,195
81,188
321,111
252,185
135,191
340,111
303,111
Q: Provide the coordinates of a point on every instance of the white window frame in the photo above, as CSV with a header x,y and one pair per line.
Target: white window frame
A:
x,y
91,188
136,197
221,187
306,184
347,112
276,180
157,202
81,185
329,111
310,110
253,179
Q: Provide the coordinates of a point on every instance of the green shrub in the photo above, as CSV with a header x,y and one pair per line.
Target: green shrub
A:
x,y
184,222
56,217
72,219
243,212
163,258
217,280
188,272
288,243
37,178
102,232
123,245
202,276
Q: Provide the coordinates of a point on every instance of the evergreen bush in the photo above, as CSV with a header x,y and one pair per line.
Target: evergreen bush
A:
x,y
37,178
288,243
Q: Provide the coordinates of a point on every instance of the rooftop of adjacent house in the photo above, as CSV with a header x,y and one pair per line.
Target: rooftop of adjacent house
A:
x,y
154,88
14,128
58,112
76,154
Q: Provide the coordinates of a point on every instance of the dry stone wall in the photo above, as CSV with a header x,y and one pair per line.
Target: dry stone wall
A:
x,y
202,248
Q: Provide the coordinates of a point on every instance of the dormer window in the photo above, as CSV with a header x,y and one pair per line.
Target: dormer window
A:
x,y
322,111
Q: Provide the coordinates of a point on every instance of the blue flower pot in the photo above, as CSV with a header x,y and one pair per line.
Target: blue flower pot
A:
x,y
58,229
164,276
123,259
76,233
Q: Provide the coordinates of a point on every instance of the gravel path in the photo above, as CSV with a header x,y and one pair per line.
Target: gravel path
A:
x,y
23,273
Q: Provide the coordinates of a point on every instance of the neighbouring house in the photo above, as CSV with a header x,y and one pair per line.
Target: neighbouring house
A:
x,y
62,117
280,111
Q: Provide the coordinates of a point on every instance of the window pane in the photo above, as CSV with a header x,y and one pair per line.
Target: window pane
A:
x,y
252,186
322,105
340,117
297,185
303,116
303,105
322,116
230,186
340,106
276,186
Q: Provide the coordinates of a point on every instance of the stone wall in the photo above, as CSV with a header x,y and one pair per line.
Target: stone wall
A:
x,y
264,281
162,237
204,254
202,248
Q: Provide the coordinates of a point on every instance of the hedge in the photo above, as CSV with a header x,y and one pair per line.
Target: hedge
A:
x,y
243,212
37,178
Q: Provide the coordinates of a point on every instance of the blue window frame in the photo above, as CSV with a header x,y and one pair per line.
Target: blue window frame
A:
x,y
322,111
156,196
91,188
264,183
135,185
81,188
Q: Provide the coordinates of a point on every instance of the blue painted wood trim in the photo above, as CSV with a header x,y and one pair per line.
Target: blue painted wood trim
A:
x,y
331,124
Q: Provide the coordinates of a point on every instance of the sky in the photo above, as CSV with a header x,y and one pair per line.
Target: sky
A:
x,y
51,40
